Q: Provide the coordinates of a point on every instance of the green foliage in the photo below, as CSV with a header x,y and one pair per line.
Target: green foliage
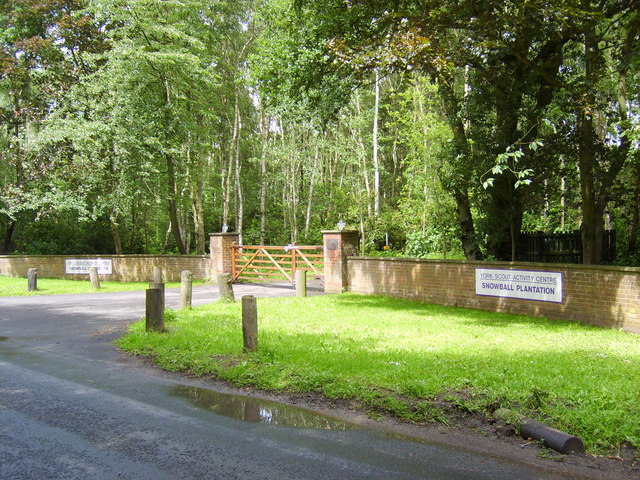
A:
x,y
145,117
434,243
507,162
293,69
62,233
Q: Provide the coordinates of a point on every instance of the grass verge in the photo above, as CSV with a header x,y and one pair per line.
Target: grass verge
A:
x,y
416,361
12,286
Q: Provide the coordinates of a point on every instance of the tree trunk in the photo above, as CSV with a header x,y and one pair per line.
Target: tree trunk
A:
x,y
171,180
197,204
238,168
263,177
196,196
316,159
625,61
505,214
167,236
467,230
291,199
505,218
587,191
173,206
8,237
362,156
185,231
634,229
456,185
133,237
376,160
227,173
115,232
586,155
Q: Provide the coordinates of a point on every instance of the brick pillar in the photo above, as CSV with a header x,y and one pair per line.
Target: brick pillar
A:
x,y
220,252
338,245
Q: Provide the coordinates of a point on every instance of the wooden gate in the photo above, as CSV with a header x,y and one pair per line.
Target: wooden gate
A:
x,y
260,262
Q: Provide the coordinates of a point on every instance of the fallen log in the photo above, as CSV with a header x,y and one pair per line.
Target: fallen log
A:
x,y
550,437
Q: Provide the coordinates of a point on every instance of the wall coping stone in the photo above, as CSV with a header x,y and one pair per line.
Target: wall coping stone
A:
x,y
564,266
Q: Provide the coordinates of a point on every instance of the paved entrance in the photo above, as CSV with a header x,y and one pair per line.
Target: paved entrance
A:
x,y
72,406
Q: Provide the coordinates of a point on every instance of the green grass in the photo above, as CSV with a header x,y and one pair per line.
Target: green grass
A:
x,y
11,286
417,361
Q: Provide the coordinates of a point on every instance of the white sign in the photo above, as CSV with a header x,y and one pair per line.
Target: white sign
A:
x,y
81,266
523,284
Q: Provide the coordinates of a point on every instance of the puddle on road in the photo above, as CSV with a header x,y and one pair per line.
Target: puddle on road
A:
x,y
258,410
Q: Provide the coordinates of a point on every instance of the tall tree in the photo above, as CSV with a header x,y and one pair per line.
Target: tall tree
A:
x,y
41,48
518,55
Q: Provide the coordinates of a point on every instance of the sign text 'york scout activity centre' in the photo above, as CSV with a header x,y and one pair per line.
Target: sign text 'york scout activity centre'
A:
x,y
523,284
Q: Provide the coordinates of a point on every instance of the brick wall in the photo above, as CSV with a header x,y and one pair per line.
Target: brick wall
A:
x,y
126,268
603,296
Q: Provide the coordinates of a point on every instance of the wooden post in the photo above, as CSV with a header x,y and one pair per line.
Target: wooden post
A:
x,y
225,287
301,283
234,253
250,323
186,289
32,279
157,275
294,252
159,286
93,277
154,318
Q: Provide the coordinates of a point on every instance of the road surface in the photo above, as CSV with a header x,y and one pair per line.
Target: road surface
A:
x,y
73,407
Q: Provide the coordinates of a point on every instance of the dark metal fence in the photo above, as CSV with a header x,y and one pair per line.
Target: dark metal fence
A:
x,y
561,247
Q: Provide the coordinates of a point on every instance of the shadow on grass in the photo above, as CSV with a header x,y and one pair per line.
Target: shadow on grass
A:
x,y
470,315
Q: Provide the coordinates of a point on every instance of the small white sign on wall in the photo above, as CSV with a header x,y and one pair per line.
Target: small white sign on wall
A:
x,y
80,266
523,284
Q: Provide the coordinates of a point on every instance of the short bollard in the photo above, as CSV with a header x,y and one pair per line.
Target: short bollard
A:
x,y
154,317
186,289
301,283
225,287
159,286
32,279
93,277
157,275
250,323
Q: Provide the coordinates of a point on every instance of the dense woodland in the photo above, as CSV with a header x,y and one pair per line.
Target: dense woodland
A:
x,y
448,127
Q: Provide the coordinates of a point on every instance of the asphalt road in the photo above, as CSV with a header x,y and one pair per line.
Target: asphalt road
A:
x,y
73,407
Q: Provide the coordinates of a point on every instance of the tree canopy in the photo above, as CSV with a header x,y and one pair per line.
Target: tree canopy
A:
x,y
441,128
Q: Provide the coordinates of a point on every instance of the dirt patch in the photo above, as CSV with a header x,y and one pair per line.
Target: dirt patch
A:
x,y
226,361
108,330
